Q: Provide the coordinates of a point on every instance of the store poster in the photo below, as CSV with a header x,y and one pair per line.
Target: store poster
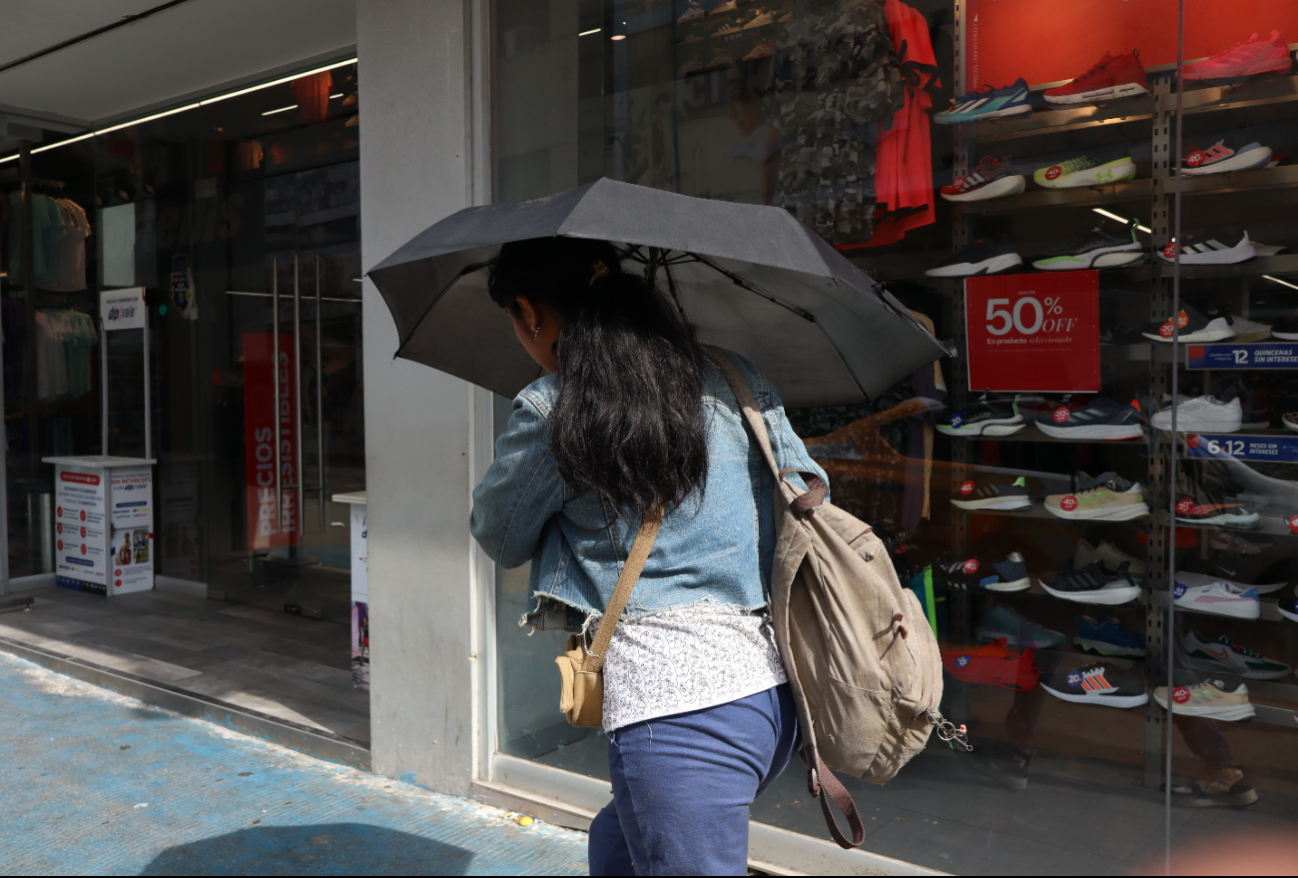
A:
x,y
1034,332
79,526
132,498
265,530
360,598
360,644
131,555
122,309
1009,39
179,533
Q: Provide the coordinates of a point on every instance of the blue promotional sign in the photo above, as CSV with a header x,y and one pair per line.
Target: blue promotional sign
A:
x,y
1283,449
1259,355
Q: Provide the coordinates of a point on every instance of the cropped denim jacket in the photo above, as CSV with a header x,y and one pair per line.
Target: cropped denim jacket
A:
x,y
715,548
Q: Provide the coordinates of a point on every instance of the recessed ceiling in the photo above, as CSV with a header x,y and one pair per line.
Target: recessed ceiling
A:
x,y
192,48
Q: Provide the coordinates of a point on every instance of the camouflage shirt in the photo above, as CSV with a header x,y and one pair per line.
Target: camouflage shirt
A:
x,y
834,76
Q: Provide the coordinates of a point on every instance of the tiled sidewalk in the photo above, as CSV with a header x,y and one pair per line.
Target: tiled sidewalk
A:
x,y
94,783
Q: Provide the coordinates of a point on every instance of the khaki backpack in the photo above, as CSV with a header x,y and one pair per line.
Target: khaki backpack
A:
x,y
861,659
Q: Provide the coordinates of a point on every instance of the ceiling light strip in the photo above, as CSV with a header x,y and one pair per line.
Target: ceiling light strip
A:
x,y
1283,283
203,103
1122,219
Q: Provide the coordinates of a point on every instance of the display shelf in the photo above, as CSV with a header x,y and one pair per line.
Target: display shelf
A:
x,y
1269,611
1032,434
1038,513
1047,199
1042,122
1244,182
1255,267
1269,526
1248,94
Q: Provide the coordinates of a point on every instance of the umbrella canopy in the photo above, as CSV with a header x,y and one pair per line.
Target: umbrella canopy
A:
x,y
752,279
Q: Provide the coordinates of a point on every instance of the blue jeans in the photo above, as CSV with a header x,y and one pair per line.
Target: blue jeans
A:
x,y
682,786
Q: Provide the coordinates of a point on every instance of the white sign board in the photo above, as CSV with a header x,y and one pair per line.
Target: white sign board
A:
x,y
122,309
132,497
79,526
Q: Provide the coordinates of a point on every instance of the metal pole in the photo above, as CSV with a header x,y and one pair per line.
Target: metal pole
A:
x,y
274,371
148,404
103,383
297,387
319,398
31,403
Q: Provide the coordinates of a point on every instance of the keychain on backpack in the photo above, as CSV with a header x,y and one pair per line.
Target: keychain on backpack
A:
x,y
956,737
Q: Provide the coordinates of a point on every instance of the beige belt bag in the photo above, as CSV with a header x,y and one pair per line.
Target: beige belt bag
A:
x,y
581,694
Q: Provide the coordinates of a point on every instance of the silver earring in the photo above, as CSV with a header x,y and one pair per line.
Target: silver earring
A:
x,y
535,333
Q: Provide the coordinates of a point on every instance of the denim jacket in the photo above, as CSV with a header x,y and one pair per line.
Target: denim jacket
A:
x,y
715,547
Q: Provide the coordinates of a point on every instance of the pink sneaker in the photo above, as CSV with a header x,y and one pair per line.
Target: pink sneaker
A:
x,y
1249,58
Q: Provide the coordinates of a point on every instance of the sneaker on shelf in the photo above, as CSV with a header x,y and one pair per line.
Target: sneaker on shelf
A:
x,y
1249,58
724,6
721,61
1223,656
1222,788
1213,699
1248,330
1286,328
1112,556
1190,577
1206,414
1194,328
986,417
1002,622
1288,608
1010,574
1093,584
1198,506
988,103
1290,421
991,179
762,19
1214,247
691,66
1270,249
1220,158
1236,543
1085,171
1100,683
1000,493
1256,410
1113,76
1219,598
1109,637
692,11
980,257
1098,248
764,49
1099,418
1106,498
995,665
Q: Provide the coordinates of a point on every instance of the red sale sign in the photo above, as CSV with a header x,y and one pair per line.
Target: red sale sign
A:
x,y
1034,332
259,416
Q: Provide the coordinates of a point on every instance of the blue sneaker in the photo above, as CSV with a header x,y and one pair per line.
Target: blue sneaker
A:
x,y
1002,621
989,103
1109,637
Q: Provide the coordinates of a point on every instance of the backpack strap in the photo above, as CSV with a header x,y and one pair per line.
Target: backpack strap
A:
x,y
821,781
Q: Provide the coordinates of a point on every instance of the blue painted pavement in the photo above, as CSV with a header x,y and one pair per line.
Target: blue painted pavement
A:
x,y
95,783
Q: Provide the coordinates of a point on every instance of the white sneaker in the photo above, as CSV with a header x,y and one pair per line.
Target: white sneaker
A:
x,y
1206,414
1111,555
1206,579
1219,598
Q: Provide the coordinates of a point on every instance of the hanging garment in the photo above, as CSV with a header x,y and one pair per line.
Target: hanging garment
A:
x,y
904,167
53,329
47,228
834,77
312,93
70,260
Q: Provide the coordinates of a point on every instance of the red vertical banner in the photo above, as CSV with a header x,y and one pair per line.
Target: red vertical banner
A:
x,y
264,529
1038,331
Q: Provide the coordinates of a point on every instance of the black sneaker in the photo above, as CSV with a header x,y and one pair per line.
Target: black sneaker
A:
x,y
1099,683
1094,584
1008,575
1098,248
1100,418
992,417
1215,247
1223,788
980,257
992,493
1286,328
1194,326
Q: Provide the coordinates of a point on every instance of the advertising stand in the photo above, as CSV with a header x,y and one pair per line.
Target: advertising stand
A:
x,y
360,589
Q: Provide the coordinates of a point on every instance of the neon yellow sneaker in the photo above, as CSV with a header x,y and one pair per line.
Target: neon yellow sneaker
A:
x,y
1106,498
1212,699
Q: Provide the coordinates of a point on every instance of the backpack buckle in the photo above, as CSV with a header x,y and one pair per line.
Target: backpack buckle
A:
x,y
813,782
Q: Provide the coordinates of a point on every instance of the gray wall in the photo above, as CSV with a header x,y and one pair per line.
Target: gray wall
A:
x,y
418,130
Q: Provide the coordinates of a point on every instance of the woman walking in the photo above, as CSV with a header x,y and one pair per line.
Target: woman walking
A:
x,y
634,421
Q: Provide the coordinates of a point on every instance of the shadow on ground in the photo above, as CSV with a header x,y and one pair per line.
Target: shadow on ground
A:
x,y
319,849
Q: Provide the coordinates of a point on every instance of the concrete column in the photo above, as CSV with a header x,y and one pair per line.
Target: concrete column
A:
x,y
419,124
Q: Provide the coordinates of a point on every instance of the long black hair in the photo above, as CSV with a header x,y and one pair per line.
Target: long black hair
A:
x,y
629,422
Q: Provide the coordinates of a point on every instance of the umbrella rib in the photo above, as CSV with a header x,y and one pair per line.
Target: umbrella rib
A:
x,y
468,269
672,289
745,285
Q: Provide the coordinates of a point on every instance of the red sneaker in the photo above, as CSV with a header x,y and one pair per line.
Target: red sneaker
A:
x,y
1113,76
1249,58
991,179
995,665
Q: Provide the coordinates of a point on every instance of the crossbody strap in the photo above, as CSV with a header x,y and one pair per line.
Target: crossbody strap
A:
x,y
644,542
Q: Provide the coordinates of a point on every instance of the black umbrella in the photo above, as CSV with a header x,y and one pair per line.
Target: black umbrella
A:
x,y
752,279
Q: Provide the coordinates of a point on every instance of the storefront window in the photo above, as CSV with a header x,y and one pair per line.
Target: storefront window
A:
x,y
1008,170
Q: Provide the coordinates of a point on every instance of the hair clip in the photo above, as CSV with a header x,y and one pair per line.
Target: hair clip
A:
x,y
601,270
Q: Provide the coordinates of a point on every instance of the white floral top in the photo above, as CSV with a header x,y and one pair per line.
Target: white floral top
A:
x,y
687,659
